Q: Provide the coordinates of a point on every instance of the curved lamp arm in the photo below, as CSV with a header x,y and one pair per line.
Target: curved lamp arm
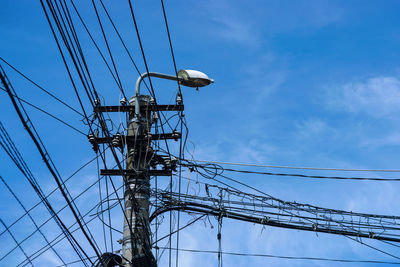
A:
x,y
190,78
139,81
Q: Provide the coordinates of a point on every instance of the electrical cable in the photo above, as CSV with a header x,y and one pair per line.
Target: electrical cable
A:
x,y
290,257
109,50
31,130
316,176
293,167
47,113
31,218
45,198
40,87
15,240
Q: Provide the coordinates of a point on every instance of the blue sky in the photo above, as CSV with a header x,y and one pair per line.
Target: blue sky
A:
x,y
298,83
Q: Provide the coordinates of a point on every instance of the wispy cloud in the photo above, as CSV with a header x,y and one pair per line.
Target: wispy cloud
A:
x,y
241,23
268,72
229,25
311,128
391,139
376,96
233,29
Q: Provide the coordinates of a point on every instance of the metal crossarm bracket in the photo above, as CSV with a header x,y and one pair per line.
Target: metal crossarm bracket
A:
x,y
175,135
113,172
132,108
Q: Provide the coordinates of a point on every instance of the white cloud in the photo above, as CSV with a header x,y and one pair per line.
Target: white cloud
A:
x,y
235,30
377,96
311,128
240,22
230,25
264,76
392,139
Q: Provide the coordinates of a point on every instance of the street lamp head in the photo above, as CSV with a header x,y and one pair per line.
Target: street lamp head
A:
x,y
194,78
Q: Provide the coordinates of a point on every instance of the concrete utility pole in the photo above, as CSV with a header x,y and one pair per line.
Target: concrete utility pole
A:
x,y
136,233
136,241
136,245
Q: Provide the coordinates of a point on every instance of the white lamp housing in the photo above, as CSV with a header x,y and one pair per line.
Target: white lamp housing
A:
x,y
194,78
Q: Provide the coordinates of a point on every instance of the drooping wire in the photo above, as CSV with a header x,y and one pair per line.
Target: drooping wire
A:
x,y
181,149
31,218
315,176
95,44
45,197
84,81
210,166
101,204
15,240
40,87
47,113
295,167
59,238
109,50
45,155
290,257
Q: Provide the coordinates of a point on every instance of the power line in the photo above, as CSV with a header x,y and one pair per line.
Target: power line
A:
x,y
59,238
47,113
15,240
294,167
316,176
45,198
122,41
108,49
289,257
40,87
181,124
95,44
45,155
221,169
30,217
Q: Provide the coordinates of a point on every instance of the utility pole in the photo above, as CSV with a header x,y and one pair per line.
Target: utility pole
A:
x,y
136,245
142,162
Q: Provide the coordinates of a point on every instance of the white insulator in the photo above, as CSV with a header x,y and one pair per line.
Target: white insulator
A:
x,y
179,99
155,117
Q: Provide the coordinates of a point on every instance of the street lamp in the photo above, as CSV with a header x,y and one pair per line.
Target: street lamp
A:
x,y
190,78
136,245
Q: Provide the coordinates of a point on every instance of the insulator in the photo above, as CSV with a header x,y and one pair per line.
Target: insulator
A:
x,y
95,147
167,163
155,117
175,135
148,135
179,99
97,101
152,101
91,138
174,160
116,140
153,163
123,101
132,152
